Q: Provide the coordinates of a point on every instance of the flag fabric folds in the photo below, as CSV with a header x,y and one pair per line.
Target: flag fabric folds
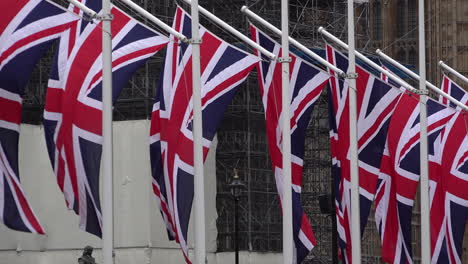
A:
x,y
306,85
73,110
451,88
399,173
449,175
27,30
223,68
376,101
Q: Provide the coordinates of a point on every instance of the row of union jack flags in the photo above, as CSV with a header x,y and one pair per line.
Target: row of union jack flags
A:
x,y
388,127
388,153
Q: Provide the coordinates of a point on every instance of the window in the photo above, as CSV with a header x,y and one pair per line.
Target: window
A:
x,y
412,57
377,12
401,18
412,19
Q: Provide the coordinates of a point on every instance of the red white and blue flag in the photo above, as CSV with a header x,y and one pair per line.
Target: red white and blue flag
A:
x,y
388,79
449,201
27,30
399,173
376,101
453,89
223,68
73,110
306,85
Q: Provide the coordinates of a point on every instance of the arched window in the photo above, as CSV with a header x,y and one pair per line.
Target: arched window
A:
x,y
401,55
377,12
401,6
412,57
412,18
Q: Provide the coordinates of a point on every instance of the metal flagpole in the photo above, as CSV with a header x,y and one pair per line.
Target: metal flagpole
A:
x,y
107,155
200,248
107,152
84,8
234,31
294,42
154,19
352,75
286,131
425,221
367,60
415,76
454,72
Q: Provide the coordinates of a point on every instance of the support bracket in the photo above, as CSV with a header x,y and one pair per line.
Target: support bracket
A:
x,y
105,17
422,92
284,59
351,75
195,41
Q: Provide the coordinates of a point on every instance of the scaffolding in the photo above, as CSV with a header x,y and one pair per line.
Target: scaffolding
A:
x,y
242,142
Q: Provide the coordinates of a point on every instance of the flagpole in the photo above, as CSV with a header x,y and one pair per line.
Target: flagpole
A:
x,y
154,19
234,31
367,60
200,248
286,137
88,11
352,76
415,76
107,155
294,42
425,221
453,71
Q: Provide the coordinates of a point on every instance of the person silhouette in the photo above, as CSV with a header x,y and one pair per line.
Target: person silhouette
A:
x,y
86,258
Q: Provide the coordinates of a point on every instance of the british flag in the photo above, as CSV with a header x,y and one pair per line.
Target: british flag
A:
x,y
306,85
223,68
73,110
399,173
27,30
388,79
449,175
453,89
376,101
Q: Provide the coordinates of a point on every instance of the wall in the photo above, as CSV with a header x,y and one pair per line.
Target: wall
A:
x,y
140,235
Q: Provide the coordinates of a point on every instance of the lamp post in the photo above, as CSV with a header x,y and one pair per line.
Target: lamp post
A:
x,y
327,207
236,186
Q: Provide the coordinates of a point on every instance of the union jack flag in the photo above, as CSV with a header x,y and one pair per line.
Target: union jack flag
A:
x,y
223,68
73,110
449,206
399,173
27,30
376,102
306,85
453,89
389,80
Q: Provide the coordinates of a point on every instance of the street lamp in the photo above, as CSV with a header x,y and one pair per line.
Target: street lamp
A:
x,y
327,207
236,186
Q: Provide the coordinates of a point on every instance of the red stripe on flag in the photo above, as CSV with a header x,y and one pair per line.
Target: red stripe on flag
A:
x,y
11,111
30,38
10,10
31,218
